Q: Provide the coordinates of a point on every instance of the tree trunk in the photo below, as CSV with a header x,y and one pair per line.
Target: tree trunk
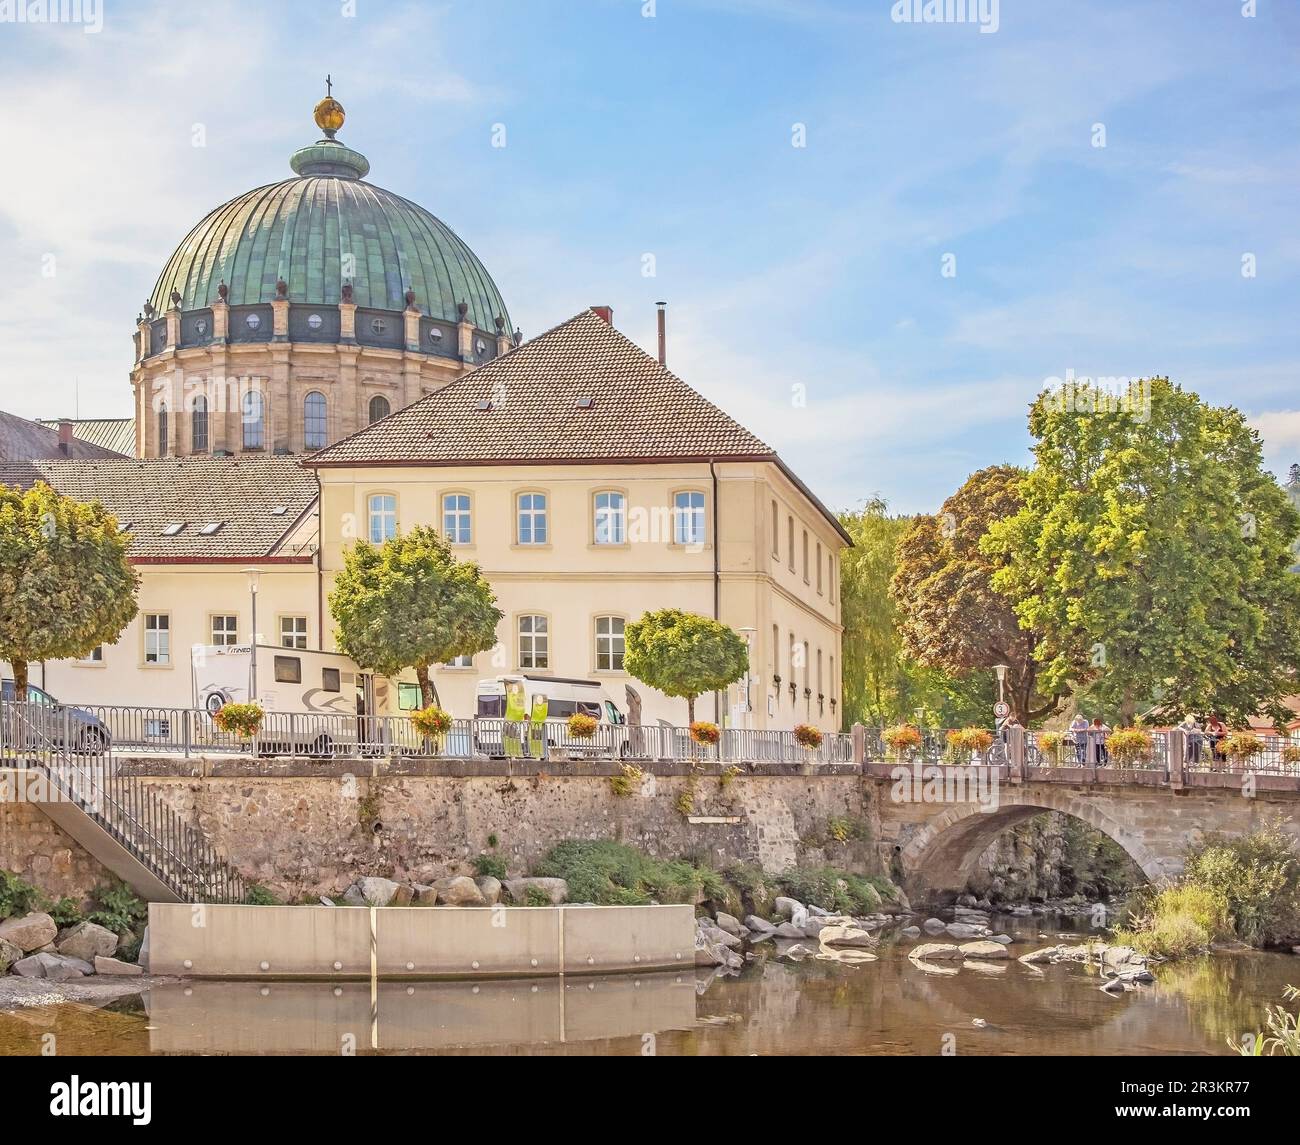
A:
x,y
690,710
428,691
20,680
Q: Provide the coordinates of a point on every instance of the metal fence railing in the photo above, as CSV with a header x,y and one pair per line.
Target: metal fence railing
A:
x,y
59,747
98,728
1088,749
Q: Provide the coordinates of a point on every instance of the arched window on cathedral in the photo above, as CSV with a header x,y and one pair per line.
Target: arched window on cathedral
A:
x,y
315,421
199,424
162,430
379,408
254,420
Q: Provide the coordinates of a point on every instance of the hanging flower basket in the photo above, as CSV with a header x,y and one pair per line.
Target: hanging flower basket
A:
x,y
1243,746
901,738
431,722
805,735
582,726
1129,745
705,733
1049,746
974,740
242,720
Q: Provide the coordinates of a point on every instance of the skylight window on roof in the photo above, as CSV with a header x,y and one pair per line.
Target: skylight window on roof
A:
x,y
586,403
279,510
173,529
483,405
211,527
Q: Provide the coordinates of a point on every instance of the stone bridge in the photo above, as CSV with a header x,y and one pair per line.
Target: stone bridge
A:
x,y
935,822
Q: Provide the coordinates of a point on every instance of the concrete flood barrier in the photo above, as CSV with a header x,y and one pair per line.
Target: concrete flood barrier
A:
x,y
217,941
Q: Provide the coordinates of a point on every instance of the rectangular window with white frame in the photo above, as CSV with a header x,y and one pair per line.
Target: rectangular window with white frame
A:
x,y
457,525
610,518
157,638
531,520
460,662
688,517
293,632
381,509
94,656
225,630
610,645
534,642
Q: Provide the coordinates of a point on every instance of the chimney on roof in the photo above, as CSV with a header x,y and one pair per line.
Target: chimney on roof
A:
x,y
663,334
606,312
65,437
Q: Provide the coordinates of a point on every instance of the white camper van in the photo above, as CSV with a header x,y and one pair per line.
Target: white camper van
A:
x,y
553,699
292,682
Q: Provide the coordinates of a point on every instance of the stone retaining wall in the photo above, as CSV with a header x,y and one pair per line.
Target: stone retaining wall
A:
x,y
310,834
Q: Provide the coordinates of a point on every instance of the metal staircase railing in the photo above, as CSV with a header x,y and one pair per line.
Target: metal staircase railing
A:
x,y
46,741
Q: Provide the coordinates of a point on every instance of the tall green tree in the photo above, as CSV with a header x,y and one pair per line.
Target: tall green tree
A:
x,y
66,584
952,618
684,654
881,684
1151,555
409,603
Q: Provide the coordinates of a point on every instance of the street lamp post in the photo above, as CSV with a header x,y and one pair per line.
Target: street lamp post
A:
x,y
253,576
1001,670
748,634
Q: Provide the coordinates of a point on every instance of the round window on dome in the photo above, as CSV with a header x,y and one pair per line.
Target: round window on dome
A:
x,y
435,335
315,321
252,322
201,326
378,325
480,346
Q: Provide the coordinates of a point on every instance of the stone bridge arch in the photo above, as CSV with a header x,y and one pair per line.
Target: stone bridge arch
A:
x,y
939,845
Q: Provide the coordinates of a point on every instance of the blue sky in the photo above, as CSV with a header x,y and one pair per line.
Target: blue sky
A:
x,y
671,135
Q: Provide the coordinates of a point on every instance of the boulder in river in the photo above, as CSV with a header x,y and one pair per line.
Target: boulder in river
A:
x,y
983,949
845,936
934,951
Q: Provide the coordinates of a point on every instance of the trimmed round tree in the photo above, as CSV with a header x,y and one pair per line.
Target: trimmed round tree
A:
x,y
409,603
66,585
684,654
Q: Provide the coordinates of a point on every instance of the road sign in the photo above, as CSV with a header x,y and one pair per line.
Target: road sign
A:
x,y
1002,709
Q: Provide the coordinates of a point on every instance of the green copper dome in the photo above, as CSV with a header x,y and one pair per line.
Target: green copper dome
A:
x,y
303,229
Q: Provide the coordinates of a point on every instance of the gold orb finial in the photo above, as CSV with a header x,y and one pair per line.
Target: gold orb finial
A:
x,y
329,114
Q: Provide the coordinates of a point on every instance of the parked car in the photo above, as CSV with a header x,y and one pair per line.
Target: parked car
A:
x,y
86,732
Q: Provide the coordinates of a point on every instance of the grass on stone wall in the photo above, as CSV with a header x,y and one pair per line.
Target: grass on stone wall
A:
x,y
490,866
607,873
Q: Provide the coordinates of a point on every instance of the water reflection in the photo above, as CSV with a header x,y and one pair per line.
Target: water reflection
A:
x,y
776,1006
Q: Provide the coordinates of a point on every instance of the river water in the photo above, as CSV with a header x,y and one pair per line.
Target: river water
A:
x,y
775,1006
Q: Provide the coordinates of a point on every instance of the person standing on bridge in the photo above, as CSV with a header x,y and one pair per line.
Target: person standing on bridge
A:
x,y
1097,734
1193,735
1217,731
1079,736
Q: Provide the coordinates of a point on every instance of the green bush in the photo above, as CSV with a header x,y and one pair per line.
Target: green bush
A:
x,y
1259,877
117,907
258,895
66,912
1175,921
613,874
837,891
493,866
535,896
17,897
